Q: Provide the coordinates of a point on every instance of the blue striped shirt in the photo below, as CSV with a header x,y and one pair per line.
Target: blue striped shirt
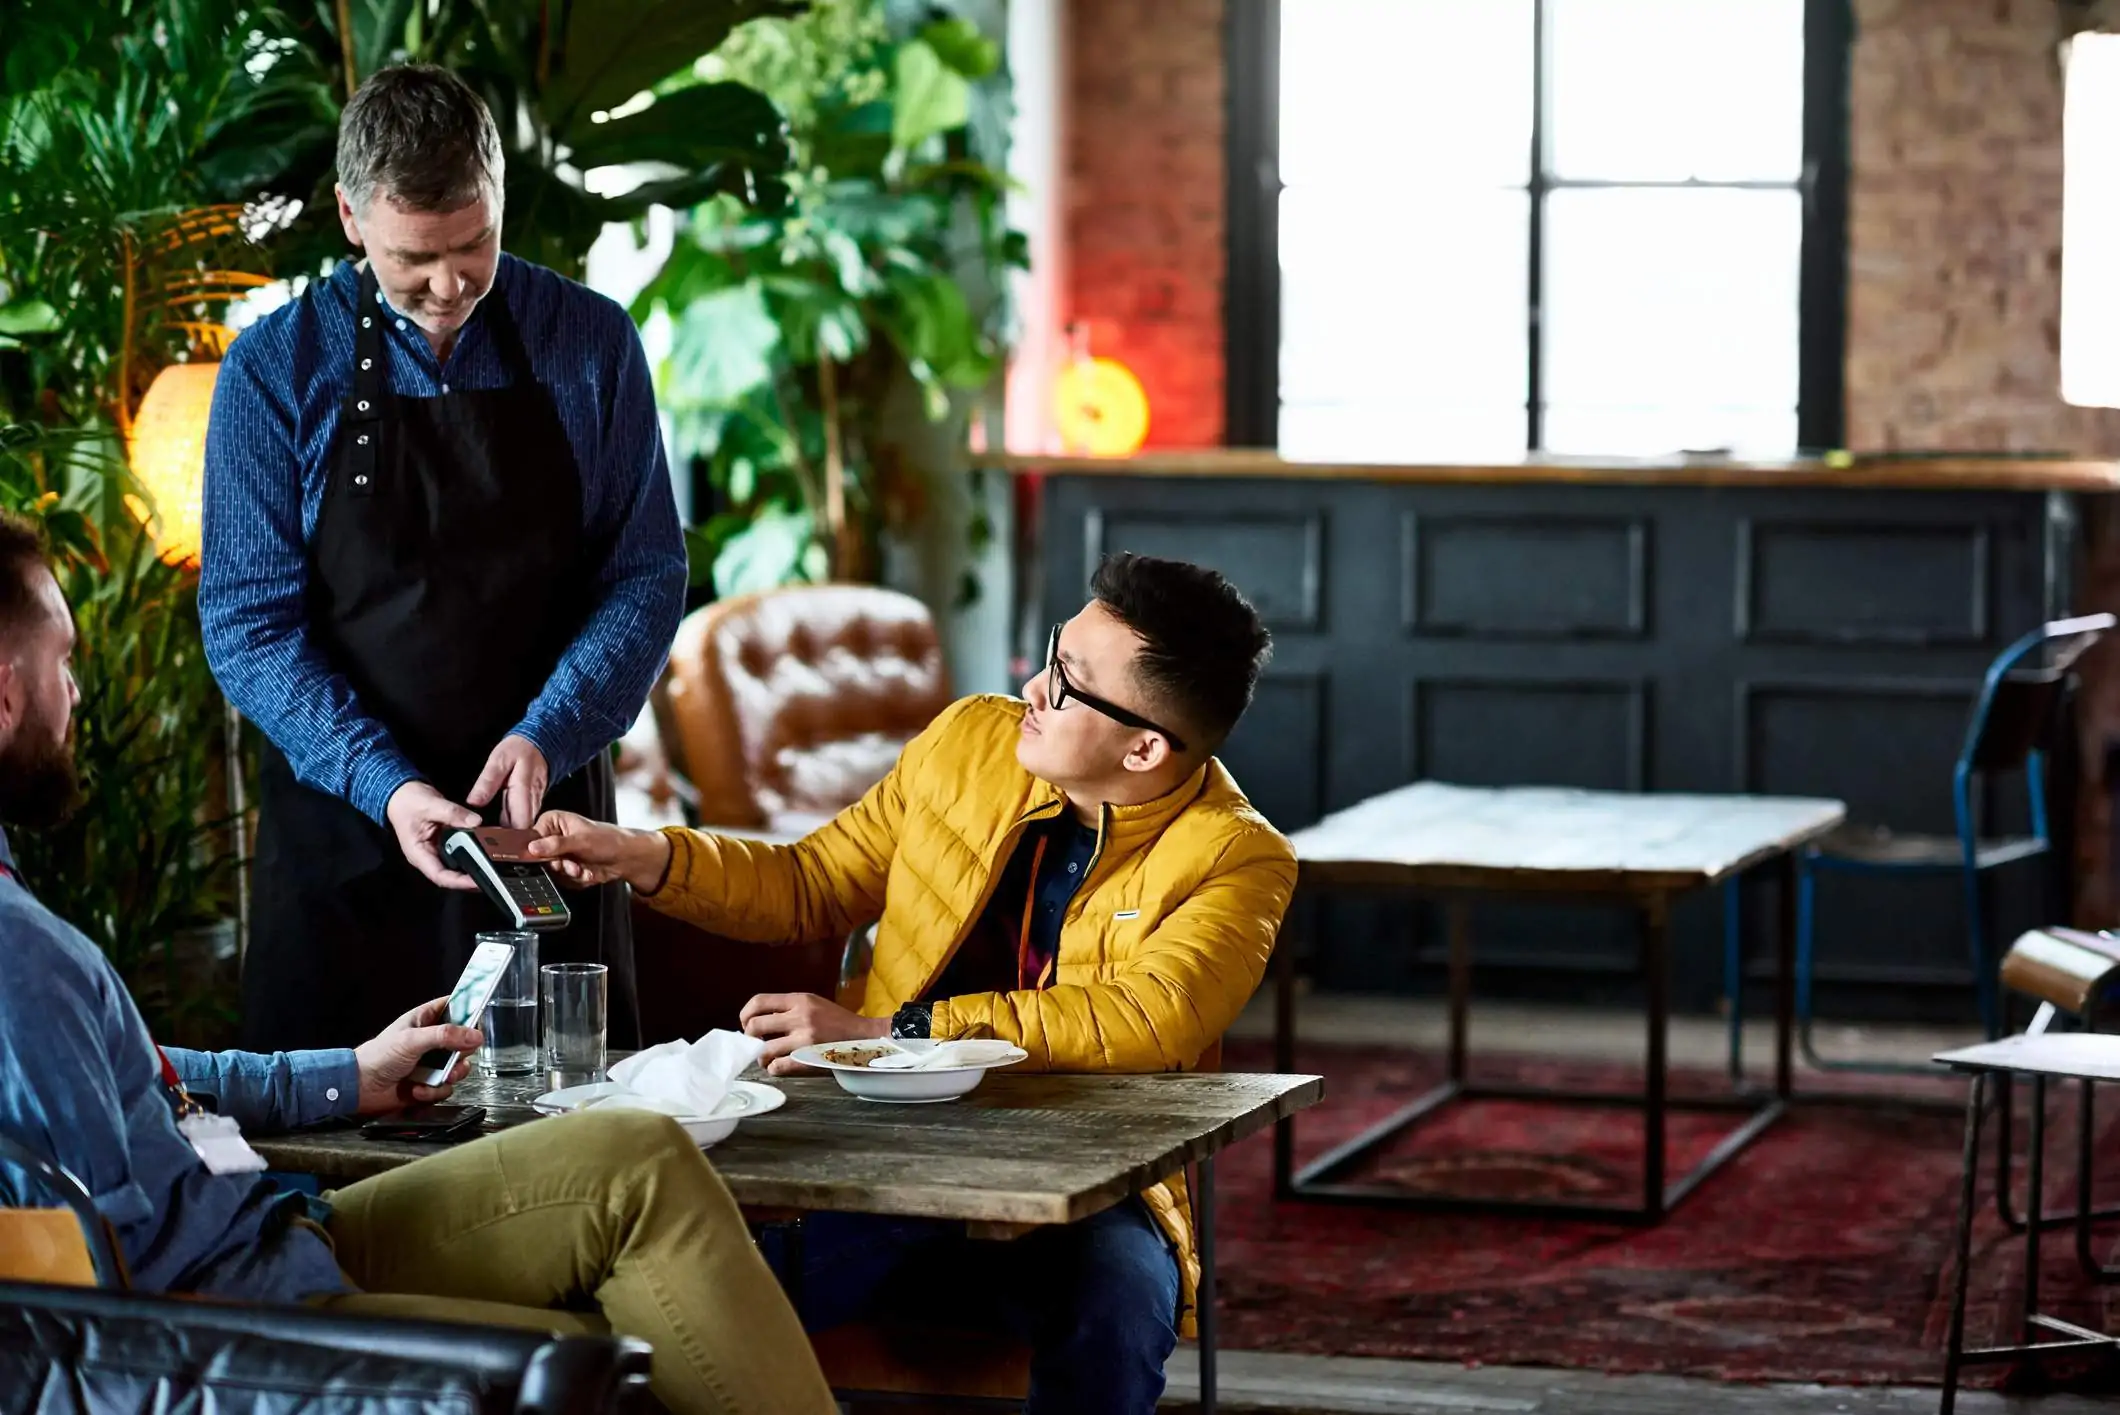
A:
x,y
268,450
80,1084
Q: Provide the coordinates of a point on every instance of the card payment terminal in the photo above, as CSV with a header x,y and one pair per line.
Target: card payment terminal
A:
x,y
522,887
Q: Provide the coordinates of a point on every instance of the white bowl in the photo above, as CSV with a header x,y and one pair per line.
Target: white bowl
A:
x,y
745,1100
944,1083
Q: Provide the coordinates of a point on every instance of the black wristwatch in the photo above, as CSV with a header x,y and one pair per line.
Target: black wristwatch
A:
x,y
912,1021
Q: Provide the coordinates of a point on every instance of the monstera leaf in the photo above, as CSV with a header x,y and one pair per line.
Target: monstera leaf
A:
x,y
615,49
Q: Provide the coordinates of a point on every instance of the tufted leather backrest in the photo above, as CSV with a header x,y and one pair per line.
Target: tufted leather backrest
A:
x,y
786,705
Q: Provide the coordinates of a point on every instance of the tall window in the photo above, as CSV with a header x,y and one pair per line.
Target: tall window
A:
x,y
1569,226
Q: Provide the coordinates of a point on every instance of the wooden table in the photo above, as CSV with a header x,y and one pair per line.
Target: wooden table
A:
x,y
1018,1152
1638,851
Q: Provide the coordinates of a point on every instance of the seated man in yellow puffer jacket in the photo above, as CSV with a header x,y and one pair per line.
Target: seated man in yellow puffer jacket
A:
x,y
1074,873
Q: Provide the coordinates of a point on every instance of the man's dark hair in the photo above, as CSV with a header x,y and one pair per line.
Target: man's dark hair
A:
x,y
419,135
23,552
1202,644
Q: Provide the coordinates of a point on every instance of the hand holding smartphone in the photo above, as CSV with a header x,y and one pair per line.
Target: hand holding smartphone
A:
x,y
467,1006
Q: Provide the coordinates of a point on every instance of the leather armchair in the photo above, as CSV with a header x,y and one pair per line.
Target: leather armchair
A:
x,y
65,1350
785,706
779,709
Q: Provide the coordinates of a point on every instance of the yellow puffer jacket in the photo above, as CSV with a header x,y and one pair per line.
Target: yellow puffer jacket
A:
x,y
1163,944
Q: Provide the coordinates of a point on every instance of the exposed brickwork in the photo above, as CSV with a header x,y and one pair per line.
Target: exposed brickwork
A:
x,y
1145,201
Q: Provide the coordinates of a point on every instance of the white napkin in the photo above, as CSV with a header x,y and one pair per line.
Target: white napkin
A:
x,y
684,1078
971,1051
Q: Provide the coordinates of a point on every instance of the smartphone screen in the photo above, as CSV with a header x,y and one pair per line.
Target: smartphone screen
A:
x,y
467,1004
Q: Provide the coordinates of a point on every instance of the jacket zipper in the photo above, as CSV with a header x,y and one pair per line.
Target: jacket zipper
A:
x,y
993,882
1074,905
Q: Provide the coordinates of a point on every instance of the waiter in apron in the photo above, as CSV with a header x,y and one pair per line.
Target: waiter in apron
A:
x,y
441,570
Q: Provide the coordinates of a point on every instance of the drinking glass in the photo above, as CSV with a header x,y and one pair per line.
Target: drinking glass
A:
x,y
510,1023
576,1000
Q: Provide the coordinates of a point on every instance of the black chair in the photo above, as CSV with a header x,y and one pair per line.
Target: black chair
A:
x,y
97,1352
101,1350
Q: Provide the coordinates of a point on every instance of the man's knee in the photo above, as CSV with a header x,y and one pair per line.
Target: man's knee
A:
x,y
1127,1286
620,1132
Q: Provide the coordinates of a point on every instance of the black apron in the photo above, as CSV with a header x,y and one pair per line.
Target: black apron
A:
x,y
448,573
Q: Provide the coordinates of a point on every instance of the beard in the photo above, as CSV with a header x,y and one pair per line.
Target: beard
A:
x,y
40,788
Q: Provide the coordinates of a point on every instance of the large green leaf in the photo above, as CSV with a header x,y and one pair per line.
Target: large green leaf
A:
x,y
723,346
615,49
28,317
691,273
927,96
766,554
695,127
958,43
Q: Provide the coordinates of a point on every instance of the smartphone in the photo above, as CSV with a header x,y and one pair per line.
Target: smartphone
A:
x,y
429,1123
467,1004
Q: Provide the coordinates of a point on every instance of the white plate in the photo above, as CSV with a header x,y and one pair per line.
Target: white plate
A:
x,y
745,1100
944,1083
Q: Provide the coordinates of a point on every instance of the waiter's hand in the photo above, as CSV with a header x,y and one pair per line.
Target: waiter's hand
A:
x,y
518,768
421,816
787,1020
587,852
388,1061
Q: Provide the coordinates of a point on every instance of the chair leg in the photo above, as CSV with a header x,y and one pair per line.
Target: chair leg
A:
x,y
1986,987
1204,1214
1954,1343
1734,970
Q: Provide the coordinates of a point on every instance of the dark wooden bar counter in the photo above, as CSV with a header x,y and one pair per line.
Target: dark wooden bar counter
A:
x,y
1803,628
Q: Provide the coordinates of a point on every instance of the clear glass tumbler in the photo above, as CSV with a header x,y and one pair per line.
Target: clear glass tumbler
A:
x,y
576,998
510,1023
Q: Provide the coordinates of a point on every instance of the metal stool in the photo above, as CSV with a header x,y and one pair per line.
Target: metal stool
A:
x,y
2077,1056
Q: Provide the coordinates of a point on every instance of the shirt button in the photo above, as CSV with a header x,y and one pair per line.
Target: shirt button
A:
x,y
1072,868
331,1093
445,388
401,324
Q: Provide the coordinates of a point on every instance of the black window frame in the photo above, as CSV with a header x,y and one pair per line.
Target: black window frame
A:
x,y
1252,292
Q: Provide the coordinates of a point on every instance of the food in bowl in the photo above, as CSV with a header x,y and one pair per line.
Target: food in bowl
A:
x,y
856,1056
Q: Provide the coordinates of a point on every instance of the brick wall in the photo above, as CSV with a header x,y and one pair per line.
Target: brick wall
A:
x,y
1954,231
1144,218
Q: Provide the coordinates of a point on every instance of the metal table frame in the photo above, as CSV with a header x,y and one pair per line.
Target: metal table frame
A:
x,y
1321,1178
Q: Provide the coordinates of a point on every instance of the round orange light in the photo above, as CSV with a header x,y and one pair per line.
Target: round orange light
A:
x,y
1099,408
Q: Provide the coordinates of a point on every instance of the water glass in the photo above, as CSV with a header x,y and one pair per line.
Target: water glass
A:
x,y
577,1005
510,1023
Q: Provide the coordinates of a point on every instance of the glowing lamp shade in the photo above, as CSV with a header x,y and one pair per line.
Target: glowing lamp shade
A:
x,y
2090,223
169,456
1099,408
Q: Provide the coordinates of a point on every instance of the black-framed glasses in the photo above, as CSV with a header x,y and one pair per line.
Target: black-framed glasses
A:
x,y
1059,690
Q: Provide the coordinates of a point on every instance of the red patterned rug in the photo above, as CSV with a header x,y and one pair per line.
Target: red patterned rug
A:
x,y
1822,1253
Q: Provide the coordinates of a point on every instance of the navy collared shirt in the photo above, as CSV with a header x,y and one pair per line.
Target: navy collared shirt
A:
x,y
276,410
986,962
80,1084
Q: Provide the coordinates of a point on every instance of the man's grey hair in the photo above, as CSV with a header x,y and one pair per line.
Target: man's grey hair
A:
x,y
419,135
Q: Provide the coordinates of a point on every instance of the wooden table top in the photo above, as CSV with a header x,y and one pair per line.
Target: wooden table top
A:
x,y
1874,471
1438,836
1019,1150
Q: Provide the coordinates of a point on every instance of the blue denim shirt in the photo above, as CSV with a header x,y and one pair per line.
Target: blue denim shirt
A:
x,y
79,1082
268,453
